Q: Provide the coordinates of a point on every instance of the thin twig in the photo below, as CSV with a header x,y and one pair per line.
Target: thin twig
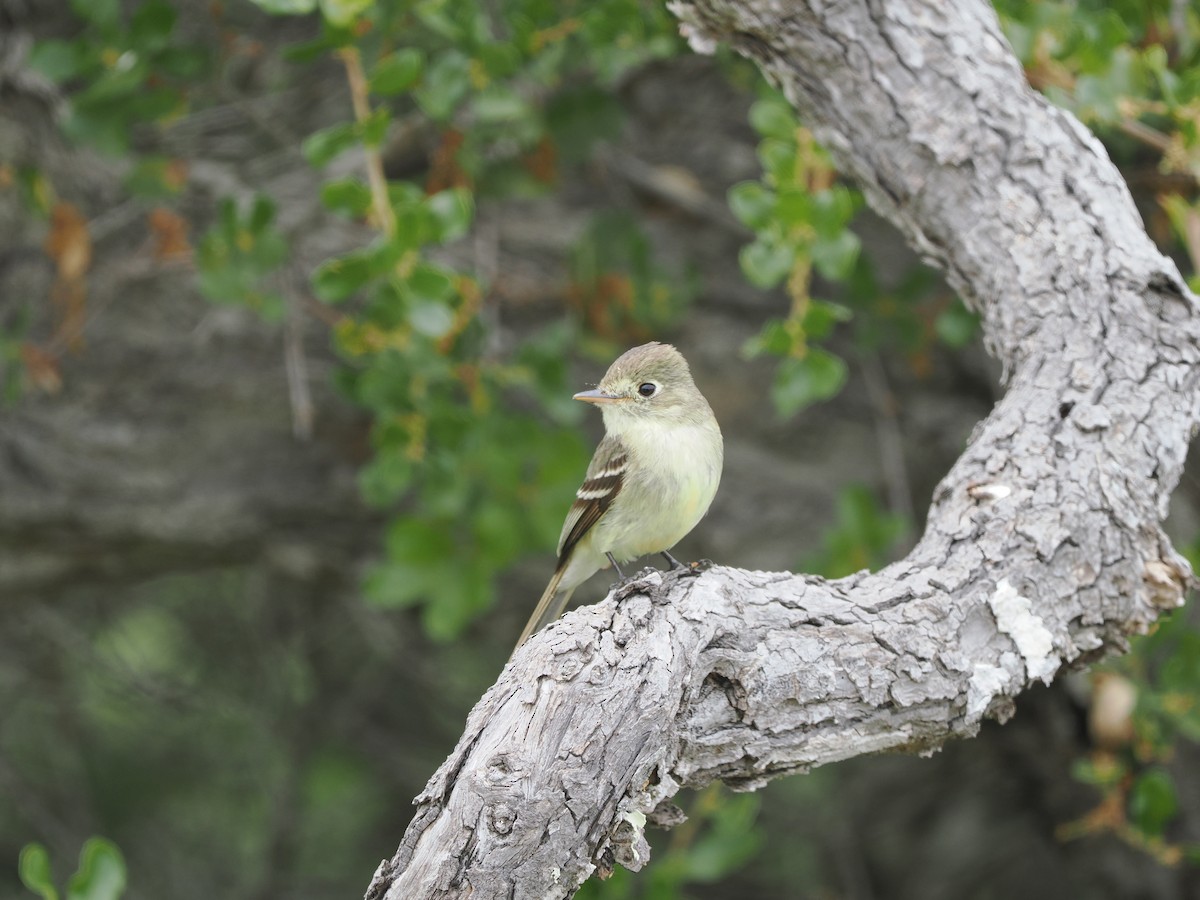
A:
x,y
1140,131
384,214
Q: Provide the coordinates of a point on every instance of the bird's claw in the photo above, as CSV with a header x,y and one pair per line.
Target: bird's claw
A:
x,y
695,569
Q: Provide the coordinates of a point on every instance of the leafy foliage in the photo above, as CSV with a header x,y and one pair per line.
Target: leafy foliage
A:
x,y
128,71
100,876
238,256
801,218
488,482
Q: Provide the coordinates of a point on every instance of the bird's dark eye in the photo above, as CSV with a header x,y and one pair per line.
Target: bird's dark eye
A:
x,y
647,389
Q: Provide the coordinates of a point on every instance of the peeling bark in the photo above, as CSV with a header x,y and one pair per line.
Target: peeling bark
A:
x,y
1043,547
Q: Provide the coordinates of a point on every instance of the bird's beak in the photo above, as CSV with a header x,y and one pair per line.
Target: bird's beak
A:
x,y
597,397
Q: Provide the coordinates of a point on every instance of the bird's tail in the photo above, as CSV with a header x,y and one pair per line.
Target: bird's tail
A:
x,y
549,607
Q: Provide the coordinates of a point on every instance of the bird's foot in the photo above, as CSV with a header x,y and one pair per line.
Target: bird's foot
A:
x,y
672,561
692,569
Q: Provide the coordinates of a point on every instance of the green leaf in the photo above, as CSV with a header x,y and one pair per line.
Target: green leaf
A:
x,y
101,874
151,25
343,13
398,586
431,283
835,257
445,84
437,18
414,540
105,14
373,129
286,7
322,146
184,62
308,51
338,278
430,290
114,89
497,528
752,203
33,868
107,134
766,261
1099,95
348,196
1152,801
821,316
794,207
801,382
774,338
453,210
500,104
405,195
956,325
262,214
386,478
57,60
459,599
431,319
238,253
397,72
774,118
831,210
778,160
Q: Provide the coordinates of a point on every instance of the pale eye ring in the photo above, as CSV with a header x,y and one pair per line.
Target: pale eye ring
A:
x,y
647,388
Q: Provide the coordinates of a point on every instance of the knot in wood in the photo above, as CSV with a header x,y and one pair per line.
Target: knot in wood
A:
x,y
503,771
567,667
500,819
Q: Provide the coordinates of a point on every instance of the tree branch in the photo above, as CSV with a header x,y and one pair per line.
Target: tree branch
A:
x,y
1043,547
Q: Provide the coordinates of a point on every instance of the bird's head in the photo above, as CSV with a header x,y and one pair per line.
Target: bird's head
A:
x,y
648,382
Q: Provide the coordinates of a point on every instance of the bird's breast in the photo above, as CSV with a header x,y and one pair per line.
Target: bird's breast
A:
x,y
667,491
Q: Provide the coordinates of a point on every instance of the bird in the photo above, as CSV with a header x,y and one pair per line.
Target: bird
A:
x,y
652,478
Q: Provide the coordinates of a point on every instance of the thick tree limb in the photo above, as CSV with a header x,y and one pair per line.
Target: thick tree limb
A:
x,y
1043,546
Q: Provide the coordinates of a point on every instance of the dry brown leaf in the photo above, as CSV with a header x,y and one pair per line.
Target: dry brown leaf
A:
x,y
170,233
68,243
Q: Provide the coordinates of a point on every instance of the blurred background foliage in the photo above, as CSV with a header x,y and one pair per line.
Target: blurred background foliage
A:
x,y
241,735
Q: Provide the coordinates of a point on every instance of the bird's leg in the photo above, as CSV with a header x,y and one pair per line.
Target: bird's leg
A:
x,y
620,574
679,570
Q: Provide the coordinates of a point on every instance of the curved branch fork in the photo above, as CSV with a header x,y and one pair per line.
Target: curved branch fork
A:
x,y
1043,546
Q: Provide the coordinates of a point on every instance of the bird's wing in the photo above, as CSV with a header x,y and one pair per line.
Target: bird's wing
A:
x,y
605,474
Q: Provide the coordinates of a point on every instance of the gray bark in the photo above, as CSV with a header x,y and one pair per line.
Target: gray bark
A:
x,y
1043,547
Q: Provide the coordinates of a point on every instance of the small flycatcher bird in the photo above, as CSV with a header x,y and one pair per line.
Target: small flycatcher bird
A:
x,y
651,479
